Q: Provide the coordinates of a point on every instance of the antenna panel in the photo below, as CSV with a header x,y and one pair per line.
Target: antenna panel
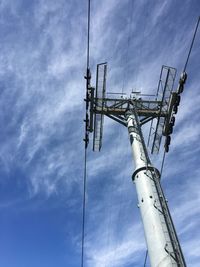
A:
x,y
165,87
99,104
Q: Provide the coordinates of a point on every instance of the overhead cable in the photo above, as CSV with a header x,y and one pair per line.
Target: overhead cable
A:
x,y
84,208
184,69
86,138
88,36
191,46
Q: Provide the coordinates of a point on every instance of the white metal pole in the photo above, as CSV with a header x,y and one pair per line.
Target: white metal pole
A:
x,y
160,248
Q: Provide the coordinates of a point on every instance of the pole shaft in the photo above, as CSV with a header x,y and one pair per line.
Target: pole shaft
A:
x,y
158,235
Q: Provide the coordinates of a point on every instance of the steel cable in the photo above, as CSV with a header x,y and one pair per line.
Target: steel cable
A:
x,y
88,36
191,46
84,207
86,140
184,69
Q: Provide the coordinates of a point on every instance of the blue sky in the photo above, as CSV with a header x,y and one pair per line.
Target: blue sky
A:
x,y
42,64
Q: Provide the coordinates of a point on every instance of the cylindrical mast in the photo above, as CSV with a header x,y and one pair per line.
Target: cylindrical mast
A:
x,y
162,242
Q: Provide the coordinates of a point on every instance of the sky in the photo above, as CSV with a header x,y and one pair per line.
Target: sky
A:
x,y
42,87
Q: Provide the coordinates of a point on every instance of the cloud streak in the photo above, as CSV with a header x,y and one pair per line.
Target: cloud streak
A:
x,y
42,63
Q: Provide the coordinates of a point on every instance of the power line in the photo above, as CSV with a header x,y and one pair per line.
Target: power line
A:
x,y
185,66
88,36
84,207
86,137
191,46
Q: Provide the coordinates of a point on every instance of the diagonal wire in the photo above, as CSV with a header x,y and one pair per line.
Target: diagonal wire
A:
x,y
185,66
191,46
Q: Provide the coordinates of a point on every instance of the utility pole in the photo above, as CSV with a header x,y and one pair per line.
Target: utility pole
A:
x,y
162,243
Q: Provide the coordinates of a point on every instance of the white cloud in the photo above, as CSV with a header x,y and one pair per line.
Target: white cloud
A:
x,y
46,65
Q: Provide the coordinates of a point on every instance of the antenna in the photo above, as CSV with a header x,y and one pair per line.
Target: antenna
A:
x,y
99,105
164,92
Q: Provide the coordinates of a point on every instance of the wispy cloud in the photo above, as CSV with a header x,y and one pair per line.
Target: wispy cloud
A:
x,y
42,62
118,253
